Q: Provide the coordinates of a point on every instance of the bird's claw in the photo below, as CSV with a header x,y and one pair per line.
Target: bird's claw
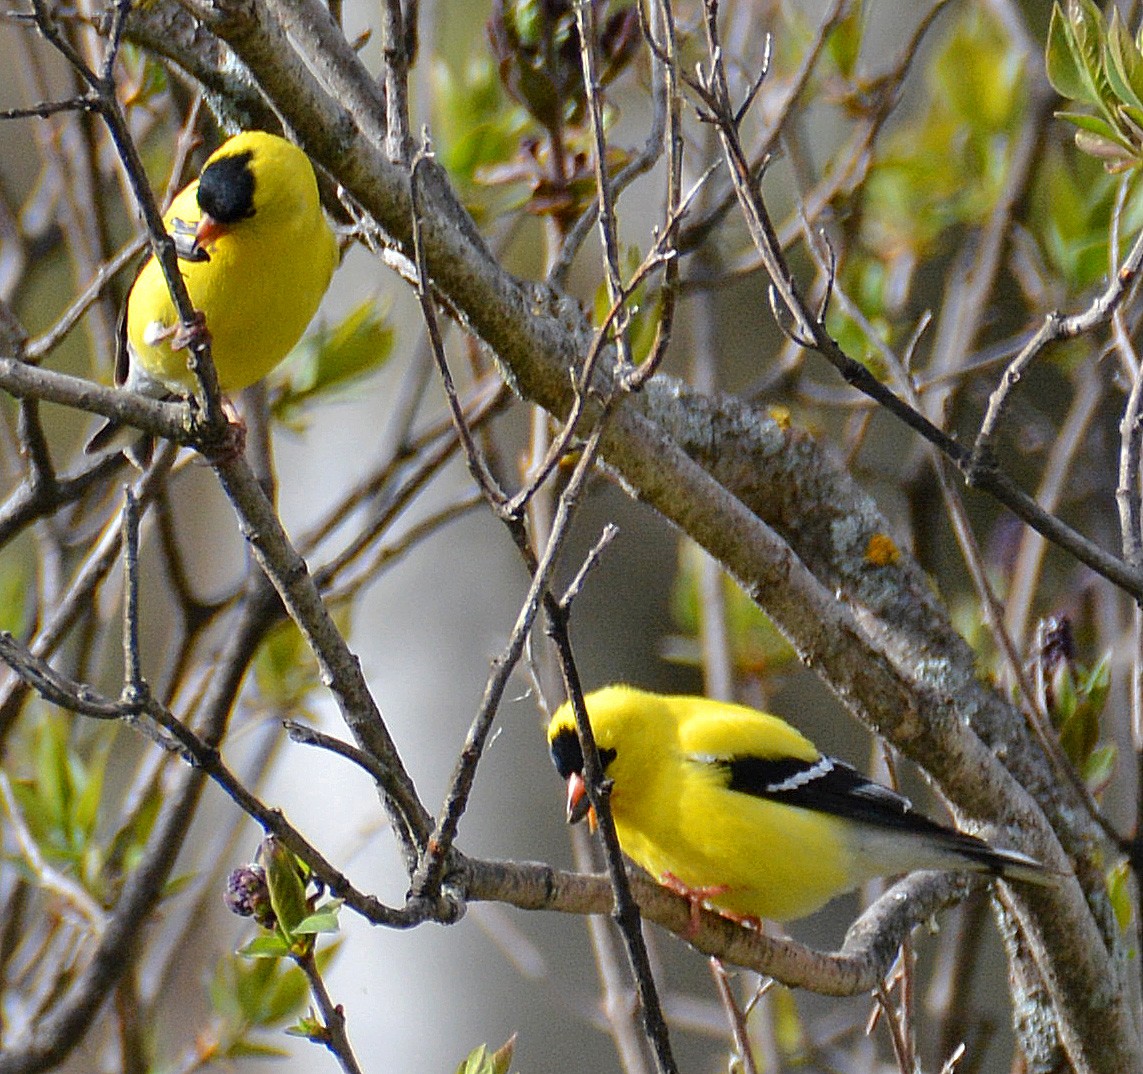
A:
x,y
697,897
193,335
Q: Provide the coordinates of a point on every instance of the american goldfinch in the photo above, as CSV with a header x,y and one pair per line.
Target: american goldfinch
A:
x,y
257,256
734,808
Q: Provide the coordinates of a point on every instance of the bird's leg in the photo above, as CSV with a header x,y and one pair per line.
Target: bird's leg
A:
x,y
697,897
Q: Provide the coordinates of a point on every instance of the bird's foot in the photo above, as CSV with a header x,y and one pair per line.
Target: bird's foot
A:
x,y
192,335
747,921
697,897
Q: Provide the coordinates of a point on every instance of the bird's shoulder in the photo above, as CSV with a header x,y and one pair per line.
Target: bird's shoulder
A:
x,y
722,731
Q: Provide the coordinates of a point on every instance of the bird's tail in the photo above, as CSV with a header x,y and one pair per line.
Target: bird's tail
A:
x,y
1008,864
924,844
111,432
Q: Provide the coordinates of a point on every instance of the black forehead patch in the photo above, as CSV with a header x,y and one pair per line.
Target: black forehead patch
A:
x,y
566,753
226,189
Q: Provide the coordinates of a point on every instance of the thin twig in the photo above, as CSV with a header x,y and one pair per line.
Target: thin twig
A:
x,y
625,910
743,1046
1055,327
593,92
810,331
134,686
334,1036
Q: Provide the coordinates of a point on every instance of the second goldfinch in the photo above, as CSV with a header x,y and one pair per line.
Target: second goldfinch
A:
x,y
257,256
736,809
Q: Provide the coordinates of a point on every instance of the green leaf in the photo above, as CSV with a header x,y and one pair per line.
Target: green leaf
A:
x,y
1096,684
757,649
285,669
844,44
260,990
85,810
270,945
1124,64
251,1049
1080,696
324,919
1060,59
1064,697
1115,158
1100,767
789,1029
15,589
128,842
1086,38
309,1027
287,888
1119,892
1096,126
481,1061
54,776
330,359
476,1062
478,130
502,1057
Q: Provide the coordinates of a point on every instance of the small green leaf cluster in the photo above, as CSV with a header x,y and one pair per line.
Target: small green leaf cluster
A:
x,y
947,164
481,1061
537,46
1078,698
1072,201
757,650
534,154
331,359
640,312
285,669
61,800
249,996
477,129
941,170
1099,65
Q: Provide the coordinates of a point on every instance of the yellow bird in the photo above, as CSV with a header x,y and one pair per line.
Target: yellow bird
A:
x,y
734,808
257,256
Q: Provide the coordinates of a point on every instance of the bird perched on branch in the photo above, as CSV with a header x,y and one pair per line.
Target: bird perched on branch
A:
x,y
734,808
257,256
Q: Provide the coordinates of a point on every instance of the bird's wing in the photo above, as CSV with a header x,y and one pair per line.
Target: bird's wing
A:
x,y
762,756
825,785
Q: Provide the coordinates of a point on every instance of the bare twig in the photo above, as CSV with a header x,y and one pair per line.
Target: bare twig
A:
x,y
1055,327
334,1036
743,1046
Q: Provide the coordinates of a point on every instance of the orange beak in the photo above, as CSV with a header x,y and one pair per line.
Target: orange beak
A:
x,y
208,231
579,805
